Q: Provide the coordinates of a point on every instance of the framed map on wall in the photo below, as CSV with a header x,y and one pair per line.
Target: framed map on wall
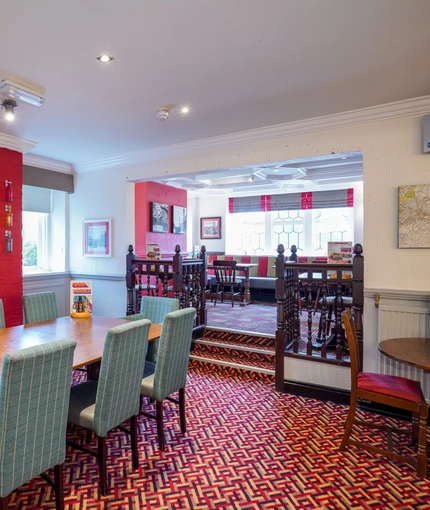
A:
x,y
414,216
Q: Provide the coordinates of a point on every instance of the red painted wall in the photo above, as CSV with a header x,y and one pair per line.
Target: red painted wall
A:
x,y
144,194
11,263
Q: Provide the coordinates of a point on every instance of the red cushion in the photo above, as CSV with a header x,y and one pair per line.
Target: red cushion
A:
x,y
246,259
228,257
263,262
390,385
302,259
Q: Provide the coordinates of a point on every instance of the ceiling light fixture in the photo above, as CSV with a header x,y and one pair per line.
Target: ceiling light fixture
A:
x,y
23,92
185,109
251,177
9,106
104,58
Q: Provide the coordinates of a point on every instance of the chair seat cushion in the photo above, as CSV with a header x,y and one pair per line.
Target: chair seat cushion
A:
x,y
147,388
390,385
82,404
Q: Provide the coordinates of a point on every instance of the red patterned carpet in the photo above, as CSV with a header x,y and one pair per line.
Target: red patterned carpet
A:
x,y
246,448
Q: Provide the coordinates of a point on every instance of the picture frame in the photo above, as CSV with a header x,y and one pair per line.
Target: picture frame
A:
x,y
179,220
159,217
97,238
210,228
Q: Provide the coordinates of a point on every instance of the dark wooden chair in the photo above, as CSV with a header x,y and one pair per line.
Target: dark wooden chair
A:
x,y
389,390
226,280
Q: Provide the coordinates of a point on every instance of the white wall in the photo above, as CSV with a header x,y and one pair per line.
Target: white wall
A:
x,y
392,156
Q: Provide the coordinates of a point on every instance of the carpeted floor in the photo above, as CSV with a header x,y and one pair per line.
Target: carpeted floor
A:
x,y
246,447
256,317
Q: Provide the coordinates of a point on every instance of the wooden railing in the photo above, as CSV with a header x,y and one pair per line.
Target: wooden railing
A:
x,y
179,277
298,287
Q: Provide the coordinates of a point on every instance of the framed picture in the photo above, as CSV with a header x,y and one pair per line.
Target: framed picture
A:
x,y
97,238
159,217
179,220
210,228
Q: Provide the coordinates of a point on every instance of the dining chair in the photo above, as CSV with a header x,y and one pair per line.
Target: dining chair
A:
x,y
170,373
389,390
2,320
103,405
226,280
38,307
154,309
34,399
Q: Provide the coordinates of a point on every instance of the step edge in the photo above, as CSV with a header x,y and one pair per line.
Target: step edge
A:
x,y
234,365
240,332
225,345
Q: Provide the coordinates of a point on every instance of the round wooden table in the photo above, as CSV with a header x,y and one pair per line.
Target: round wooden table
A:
x,y
411,351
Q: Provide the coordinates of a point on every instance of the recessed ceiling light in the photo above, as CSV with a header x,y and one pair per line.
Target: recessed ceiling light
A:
x,y
276,169
185,109
105,58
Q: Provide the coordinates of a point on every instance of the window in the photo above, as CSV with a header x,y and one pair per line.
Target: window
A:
x,y
43,230
260,233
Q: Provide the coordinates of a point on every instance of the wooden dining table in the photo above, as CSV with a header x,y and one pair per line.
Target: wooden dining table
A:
x,y
89,333
411,351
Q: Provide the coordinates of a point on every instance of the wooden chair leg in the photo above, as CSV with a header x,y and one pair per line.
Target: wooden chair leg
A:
x,y
181,394
160,431
102,465
422,443
133,441
349,423
59,486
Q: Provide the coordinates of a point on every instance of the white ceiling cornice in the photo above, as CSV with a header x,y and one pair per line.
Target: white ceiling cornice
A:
x,y
16,144
389,111
48,164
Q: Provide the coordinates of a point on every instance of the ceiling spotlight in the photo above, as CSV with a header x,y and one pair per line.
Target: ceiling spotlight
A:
x,y
9,106
162,113
251,177
104,58
185,109
23,92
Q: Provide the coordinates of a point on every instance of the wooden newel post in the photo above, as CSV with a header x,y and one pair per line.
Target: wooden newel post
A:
x,y
203,282
177,272
280,334
358,296
130,279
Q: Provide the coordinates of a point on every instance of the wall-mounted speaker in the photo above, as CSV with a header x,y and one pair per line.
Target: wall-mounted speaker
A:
x,y
426,133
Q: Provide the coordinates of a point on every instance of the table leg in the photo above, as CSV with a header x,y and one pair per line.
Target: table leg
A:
x,y
247,297
93,371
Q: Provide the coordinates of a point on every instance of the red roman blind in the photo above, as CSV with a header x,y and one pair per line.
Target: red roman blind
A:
x,y
293,201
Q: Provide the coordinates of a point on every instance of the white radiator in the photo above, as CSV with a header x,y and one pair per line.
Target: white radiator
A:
x,y
398,321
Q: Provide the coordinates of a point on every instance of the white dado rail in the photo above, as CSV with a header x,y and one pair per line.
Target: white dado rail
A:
x,y
402,314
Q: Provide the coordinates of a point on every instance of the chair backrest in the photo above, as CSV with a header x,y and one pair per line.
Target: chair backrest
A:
x,y
155,308
225,270
351,336
173,353
34,403
123,361
38,307
2,321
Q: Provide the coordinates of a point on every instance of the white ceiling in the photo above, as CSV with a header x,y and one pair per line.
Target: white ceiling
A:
x,y
238,65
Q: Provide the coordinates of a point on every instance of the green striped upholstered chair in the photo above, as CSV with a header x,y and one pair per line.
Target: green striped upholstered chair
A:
x,y
34,400
154,309
103,405
171,368
39,307
2,321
